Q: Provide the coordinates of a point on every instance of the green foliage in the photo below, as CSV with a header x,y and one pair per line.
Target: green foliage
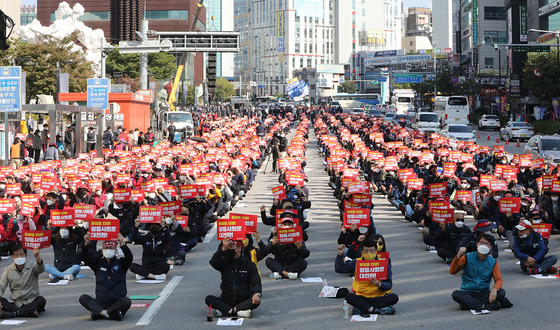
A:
x,y
546,126
41,70
547,85
347,87
190,95
224,90
161,65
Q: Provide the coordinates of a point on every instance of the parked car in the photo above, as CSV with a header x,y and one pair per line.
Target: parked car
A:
x,y
489,122
399,118
546,147
375,113
517,130
426,122
389,116
357,111
459,132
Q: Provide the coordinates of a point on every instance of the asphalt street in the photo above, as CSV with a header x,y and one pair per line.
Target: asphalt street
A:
x,y
420,278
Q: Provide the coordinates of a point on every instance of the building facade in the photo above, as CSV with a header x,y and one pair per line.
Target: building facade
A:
x,y
12,9
28,14
442,25
418,33
219,17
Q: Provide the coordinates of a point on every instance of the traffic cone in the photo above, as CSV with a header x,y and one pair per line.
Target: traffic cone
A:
x,y
478,135
518,145
507,141
497,139
488,138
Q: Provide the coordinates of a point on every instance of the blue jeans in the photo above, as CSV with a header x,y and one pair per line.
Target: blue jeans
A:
x,y
544,264
55,273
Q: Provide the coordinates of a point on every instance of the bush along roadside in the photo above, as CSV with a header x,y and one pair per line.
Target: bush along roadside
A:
x,y
546,126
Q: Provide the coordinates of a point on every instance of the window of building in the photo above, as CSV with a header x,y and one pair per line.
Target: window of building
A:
x,y
494,13
489,62
363,12
411,43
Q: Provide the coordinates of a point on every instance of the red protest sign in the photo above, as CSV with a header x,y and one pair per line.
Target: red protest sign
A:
x,y
498,185
13,189
295,179
358,217
438,189
32,199
415,184
233,229
84,211
36,239
543,229
357,187
279,193
555,186
449,169
27,210
443,215
509,204
170,208
464,195
363,199
250,221
289,235
525,160
485,179
160,182
137,195
7,205
148,186
150,214
104,229
538,163
547,180
62,218
366,269
188,191
183,220
48,183
121,195
280,211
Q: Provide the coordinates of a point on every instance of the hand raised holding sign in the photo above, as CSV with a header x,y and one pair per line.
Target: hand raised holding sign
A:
x,y
37,256
225,243
375,282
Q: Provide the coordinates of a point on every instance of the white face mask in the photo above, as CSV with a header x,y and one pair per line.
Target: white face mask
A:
x,y
363,230
464,185
19,261
145,175
182,177
17,199
64,233
554,198
537,221
19,217
523,236
504,161
110,195
49,202
109,253
483,249
168,221
459,224
497,198
2,186
152,195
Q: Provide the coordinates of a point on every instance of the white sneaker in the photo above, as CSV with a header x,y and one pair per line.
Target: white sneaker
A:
x,y
277,276
161,277
139,277
218,313
69,277
292,276
244,314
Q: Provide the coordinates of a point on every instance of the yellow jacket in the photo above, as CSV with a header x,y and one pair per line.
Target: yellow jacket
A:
x,y
368,290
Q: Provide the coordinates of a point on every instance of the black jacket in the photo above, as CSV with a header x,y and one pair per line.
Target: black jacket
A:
x,y
288,254
153,247
126,217
110,276
240,277
65,250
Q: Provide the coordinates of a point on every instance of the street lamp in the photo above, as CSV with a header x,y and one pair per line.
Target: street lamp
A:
x,y
557,34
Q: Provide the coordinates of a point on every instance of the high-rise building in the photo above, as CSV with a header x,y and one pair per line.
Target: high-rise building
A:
x,y
280,36
219,17
418,29
130,14
442,25
28,14
12,9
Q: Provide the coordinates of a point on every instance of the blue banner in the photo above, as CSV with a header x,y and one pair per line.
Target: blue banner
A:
x,y
296,89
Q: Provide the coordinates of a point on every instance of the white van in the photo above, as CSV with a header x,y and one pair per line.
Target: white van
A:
x,y
452,109
427,122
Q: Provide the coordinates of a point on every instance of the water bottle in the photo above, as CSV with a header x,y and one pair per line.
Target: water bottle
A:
x,y
345,309
325,283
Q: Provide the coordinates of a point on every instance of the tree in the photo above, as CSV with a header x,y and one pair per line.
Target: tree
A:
x,y
547,85
161,65
224,90
41,69
347,87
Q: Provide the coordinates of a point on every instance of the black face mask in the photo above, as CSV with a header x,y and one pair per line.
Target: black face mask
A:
x,y
154,230
229,253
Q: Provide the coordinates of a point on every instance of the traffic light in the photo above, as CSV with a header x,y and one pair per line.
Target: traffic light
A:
x,y
211,72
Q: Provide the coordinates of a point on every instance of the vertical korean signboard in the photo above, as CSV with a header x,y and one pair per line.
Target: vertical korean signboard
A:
x,y
523,23
10,101
475,22
280,36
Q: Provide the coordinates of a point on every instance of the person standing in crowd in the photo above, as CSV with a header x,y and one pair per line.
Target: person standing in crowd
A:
x,y
282,145
90,139
108,139
171,132
479,268
110,300
17,153
37,146
241,282
529,248
23,278
69,141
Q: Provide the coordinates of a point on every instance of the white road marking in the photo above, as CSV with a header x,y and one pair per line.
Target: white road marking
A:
x,y
158,303
208,238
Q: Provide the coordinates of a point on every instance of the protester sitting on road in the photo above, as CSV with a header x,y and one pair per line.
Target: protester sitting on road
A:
x,y
469,242
65,242
174,251
529,248
453,234
110,300
255,254
22,277
154,262
289,259
241,283
478,269
373,296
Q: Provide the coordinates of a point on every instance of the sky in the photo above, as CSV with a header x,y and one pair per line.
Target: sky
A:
x,y
28,2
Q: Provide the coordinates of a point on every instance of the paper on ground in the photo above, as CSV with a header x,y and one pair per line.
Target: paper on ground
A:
x,y
372,317
149,281
80,276
139,305
61,282
435,251
328,292
312,280
143,297
484,311
544,276
518,263
229,321
13,322
508,250
241,205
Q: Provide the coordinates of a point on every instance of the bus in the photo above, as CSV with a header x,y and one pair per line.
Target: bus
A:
x,y
403,100
452,109
349,101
